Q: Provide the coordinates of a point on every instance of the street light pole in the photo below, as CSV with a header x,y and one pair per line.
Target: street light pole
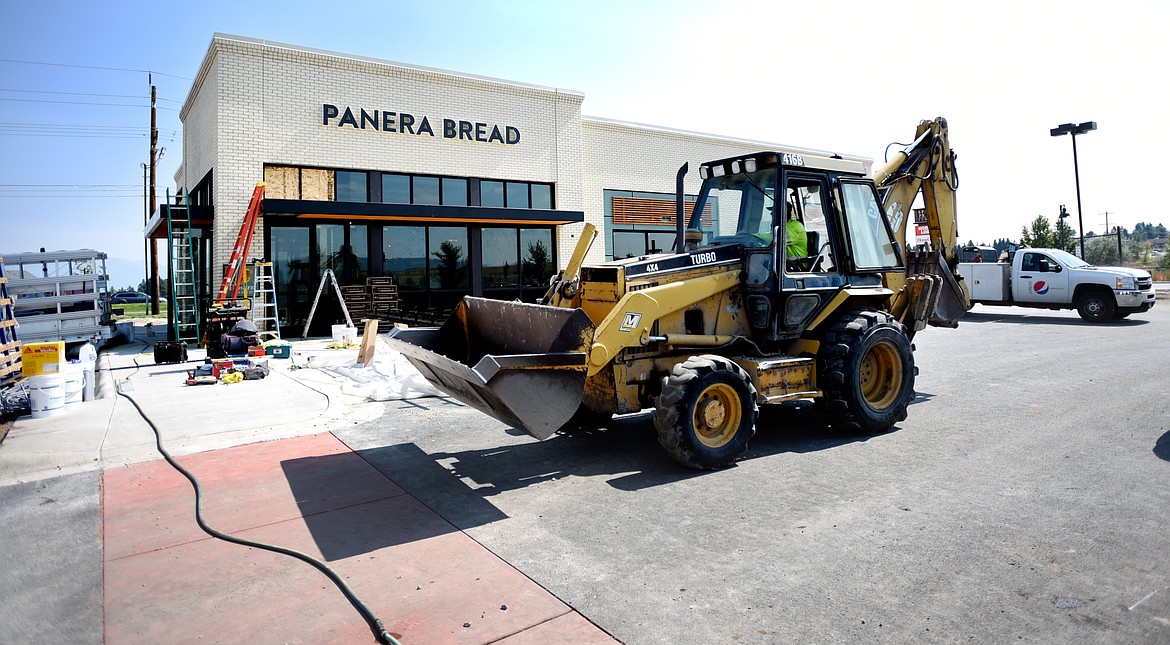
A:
x,y
1074,130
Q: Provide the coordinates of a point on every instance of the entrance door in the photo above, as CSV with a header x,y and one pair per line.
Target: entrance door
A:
x,y
292,270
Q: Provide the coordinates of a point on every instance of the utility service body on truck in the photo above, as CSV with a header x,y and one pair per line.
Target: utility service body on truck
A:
x,y
1055,279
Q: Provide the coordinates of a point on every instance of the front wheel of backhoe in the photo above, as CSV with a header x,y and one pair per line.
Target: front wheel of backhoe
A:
x,y
706,414
866,371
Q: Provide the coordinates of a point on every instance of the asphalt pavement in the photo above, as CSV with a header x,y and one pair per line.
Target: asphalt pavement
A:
x,y
1024,499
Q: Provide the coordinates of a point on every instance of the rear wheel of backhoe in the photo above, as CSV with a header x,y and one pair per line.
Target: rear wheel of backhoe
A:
x,y
706,414
866,371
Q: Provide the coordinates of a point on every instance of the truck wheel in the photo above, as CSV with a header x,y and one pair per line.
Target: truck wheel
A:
x,y
1121,315
866,372
1095,306
706,413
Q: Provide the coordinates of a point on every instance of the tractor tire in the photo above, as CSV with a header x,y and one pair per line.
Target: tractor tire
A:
x,y
866,371
706,414
1096,306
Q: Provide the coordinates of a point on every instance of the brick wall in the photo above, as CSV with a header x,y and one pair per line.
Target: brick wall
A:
x,y
256,103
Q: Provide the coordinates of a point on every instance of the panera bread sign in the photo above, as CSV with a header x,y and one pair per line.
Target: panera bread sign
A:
x,y
410,124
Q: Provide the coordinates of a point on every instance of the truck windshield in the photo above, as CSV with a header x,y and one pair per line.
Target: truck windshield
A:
x,y
751,197
1068,259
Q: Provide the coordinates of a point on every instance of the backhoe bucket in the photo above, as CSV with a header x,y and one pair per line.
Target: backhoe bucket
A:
x,y
949,300
520,363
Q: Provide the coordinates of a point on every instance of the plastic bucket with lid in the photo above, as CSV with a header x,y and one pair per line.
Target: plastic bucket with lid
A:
x,y
344,333
74,375
46,394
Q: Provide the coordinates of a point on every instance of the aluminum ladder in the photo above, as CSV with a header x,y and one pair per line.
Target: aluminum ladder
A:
x,y
10,366
182,309
328,275
264,311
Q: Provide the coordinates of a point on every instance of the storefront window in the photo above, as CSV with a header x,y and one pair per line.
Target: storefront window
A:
x,y
331,248
359,241
491,194
538,267
454,192
291,273
542,196
405,252
395,189
517,195
628,244
447,257
426,190
501,266
351,186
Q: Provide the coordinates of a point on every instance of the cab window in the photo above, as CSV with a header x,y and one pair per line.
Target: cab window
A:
x,y
806,233
871,244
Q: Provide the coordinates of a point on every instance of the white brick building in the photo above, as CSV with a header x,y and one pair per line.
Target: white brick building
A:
x,y
449,183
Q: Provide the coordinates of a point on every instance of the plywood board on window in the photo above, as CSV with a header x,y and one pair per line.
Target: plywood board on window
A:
x,y
283,182
317,184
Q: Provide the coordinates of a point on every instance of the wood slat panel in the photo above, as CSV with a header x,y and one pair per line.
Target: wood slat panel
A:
x,y
650,211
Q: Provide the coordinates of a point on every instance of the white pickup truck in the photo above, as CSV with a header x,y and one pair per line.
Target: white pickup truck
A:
x,y
1055,279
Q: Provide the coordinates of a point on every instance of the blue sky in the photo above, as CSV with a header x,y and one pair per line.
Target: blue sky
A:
x,y
842,76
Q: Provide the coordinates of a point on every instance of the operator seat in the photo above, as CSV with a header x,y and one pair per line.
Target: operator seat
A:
x,y
805,263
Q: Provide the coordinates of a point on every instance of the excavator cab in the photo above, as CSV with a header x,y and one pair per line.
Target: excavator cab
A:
x,y
807,228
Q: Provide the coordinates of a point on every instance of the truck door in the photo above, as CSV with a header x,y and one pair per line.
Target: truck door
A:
x,y
1041,280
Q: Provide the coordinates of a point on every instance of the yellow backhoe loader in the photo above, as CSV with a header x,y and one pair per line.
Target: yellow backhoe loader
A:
x,y
813,297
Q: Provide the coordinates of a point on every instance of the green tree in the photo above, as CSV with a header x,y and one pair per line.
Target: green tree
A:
x,y
1040,235
452,271
536,265
164,287
1064,238
1101,250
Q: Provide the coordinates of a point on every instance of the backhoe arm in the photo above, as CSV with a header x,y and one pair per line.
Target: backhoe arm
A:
x,y
929,291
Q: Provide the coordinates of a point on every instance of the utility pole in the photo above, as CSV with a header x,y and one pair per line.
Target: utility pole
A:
x,y
1119,258
154,291
145,220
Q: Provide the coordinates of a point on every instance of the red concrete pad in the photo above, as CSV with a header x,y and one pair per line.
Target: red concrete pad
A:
x,y
164,580
569,629
243,487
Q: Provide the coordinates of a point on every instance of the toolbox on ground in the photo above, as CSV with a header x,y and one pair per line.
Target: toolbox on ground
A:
x,y
279,351
170,352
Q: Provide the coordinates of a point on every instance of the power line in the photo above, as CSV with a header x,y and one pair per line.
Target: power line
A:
x,y
110,69
97,127
69,185
115,96
86,103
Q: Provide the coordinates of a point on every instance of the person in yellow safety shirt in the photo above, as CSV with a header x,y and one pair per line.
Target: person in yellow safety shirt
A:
x,y
797,238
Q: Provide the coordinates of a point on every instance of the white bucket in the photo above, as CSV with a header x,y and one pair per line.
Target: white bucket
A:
x,y
74,374
344,334
46,394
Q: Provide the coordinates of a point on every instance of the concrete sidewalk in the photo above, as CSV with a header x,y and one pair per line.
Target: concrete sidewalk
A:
x,y
104,546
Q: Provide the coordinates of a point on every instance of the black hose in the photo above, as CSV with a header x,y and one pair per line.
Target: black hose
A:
x,y
380,631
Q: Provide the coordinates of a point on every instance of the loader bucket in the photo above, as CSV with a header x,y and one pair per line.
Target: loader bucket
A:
x,y
520,363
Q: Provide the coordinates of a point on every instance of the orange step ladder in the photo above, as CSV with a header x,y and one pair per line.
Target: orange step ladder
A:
x,y
229,288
